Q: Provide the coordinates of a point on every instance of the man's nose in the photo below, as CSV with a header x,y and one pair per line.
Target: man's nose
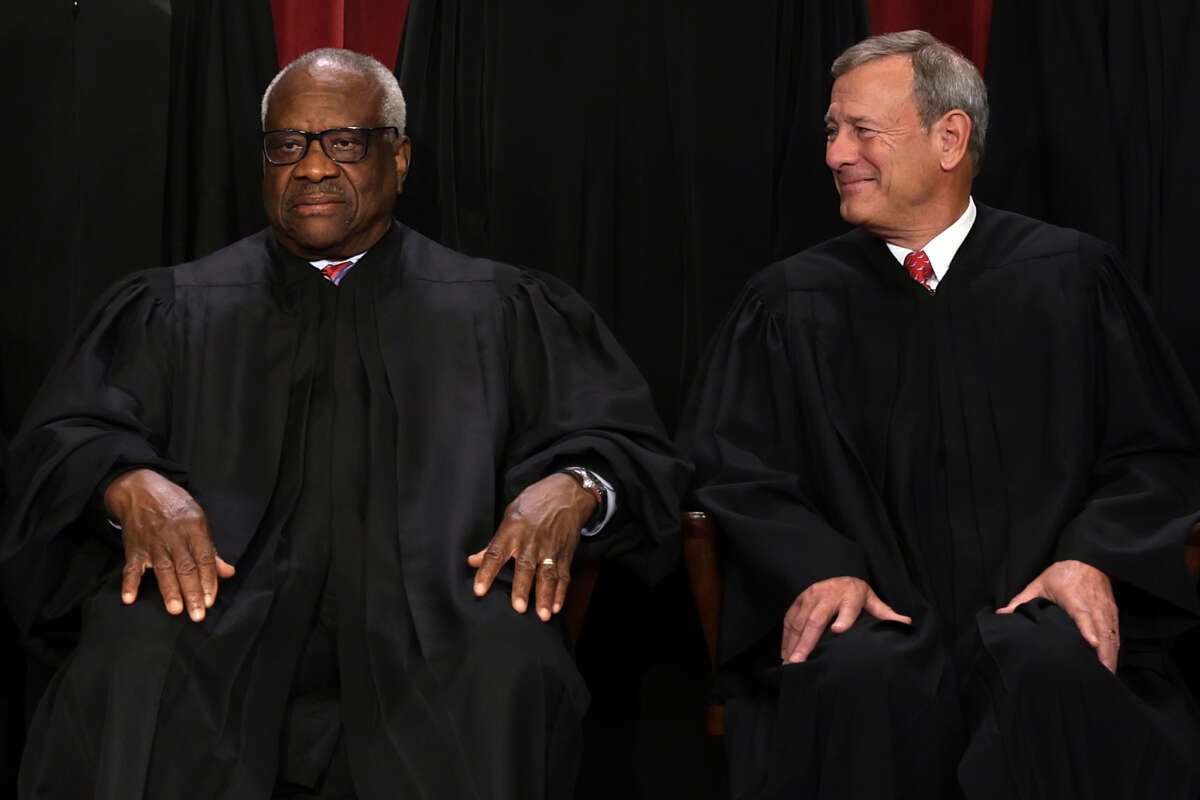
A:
x,y
316,166
840,149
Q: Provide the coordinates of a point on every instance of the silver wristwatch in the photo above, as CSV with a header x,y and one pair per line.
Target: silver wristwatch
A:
x,y
590,483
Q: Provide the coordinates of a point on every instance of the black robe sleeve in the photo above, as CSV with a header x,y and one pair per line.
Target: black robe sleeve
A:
x,y
100,412
575,396
1144,496
744,430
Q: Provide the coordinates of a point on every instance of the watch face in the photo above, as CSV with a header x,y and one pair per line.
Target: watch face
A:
x,y
586,479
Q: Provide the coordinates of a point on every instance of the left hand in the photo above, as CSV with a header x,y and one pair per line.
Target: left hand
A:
x,y
540,530
1086,594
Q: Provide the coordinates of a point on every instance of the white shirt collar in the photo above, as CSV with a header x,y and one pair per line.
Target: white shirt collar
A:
x,y
941,248
325,262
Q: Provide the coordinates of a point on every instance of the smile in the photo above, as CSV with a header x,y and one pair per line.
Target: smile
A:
x,y
853,186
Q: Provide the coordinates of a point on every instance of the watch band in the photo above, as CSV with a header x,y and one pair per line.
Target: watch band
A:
x,y
590,483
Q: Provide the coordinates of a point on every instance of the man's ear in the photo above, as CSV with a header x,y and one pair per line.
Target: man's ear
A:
x,y
402,155
951,134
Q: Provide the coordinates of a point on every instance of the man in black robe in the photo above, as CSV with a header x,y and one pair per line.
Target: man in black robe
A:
x,y
965,423
339,408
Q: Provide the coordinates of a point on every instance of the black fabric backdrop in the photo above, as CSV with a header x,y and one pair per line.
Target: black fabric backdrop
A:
x,y
654,155
1095,105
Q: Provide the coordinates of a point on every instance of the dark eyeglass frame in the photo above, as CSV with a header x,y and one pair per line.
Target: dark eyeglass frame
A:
x,y
319,136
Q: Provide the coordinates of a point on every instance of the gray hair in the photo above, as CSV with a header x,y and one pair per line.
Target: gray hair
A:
x,y
943,79
391,109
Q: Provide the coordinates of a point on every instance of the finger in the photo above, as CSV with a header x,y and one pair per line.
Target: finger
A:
x,y
814,626
187,574
131,575
793,625
847,612
489,563
224,568
560,593
547,587
1109,630
205,556
564,580
523,574
881,610
476,559
1030,592
1087,628
168,584
1110,646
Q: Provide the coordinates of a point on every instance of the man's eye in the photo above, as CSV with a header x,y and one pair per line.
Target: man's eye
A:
x,y
830,134
343,144
864,132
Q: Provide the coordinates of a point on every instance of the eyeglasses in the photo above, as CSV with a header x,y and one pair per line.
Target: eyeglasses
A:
x,y
344,145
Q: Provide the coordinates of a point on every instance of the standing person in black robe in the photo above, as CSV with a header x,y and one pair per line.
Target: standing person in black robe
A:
x,y
310,437
992,453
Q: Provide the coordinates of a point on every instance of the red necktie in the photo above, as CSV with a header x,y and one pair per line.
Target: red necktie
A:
x,y
919,267
335,272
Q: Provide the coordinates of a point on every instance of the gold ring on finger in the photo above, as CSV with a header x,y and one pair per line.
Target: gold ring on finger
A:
x,y
547,562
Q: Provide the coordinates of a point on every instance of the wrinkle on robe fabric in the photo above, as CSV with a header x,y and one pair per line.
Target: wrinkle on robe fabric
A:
x,y
653,156
945,448
1092,105
476,378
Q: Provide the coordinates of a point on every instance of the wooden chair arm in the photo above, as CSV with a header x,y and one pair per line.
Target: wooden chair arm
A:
x,y
704,574
1191,552
579,595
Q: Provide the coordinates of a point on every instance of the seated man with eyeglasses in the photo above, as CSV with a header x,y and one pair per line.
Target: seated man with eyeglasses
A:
x,y
327,441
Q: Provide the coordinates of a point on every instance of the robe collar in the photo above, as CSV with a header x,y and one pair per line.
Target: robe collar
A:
x,y
289,268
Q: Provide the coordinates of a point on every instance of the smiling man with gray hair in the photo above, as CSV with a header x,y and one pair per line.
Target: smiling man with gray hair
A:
x,y
955,463
346,473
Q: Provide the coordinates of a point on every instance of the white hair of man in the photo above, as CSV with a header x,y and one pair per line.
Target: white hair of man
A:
x,y
943,80
391,108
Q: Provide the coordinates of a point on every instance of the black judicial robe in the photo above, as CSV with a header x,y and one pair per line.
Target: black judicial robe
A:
x,y
945,448
351,446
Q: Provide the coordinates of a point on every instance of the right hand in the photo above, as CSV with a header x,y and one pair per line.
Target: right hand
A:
x,y
810,613
165,530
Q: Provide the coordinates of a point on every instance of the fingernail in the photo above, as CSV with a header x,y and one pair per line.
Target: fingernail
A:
x,y
557,607
519,605
127,597
174,606
544,613
197,614
479,589
208,601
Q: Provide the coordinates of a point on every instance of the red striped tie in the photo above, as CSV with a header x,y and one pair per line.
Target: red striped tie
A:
x,y
335,272
918,266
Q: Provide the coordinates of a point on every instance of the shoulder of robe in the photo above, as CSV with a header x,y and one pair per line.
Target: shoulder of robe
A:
x,y
821,266
156,284
245,262
424,259
1012,238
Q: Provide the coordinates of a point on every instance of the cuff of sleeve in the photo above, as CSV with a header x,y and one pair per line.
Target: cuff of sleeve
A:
x,y
610,507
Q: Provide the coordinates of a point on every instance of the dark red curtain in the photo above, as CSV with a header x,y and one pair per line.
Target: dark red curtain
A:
x,y
961,23
373,27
